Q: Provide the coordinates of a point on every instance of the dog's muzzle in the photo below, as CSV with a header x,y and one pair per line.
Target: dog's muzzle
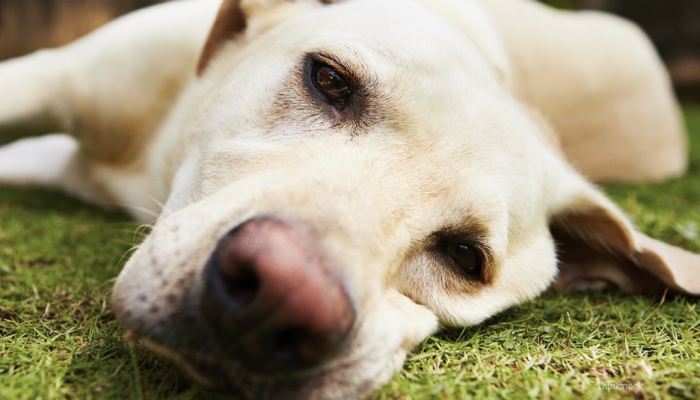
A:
x,y
271,300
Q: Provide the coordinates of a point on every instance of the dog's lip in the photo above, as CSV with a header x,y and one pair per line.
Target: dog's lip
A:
x,y
211,372
203,371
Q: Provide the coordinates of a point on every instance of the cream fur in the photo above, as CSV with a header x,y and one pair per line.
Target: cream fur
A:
x,y
452,144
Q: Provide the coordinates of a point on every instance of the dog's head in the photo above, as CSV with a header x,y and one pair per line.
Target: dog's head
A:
x,y
355,176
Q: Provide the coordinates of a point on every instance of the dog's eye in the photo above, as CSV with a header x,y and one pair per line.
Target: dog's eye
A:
x,y
331,84
466,257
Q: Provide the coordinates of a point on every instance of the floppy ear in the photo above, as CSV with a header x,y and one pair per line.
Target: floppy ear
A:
x,y
230,21
597,246
233,19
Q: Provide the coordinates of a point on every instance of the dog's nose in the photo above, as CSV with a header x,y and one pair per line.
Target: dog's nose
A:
x,y
271,298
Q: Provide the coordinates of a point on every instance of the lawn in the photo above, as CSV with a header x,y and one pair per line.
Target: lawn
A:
x,y
58,338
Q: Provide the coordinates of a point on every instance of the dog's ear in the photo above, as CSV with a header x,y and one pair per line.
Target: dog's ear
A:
x,y
233,19
597,246
230,21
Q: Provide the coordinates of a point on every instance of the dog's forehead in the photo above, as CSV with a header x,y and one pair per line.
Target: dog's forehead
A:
x,y
383,37
420,62
385,25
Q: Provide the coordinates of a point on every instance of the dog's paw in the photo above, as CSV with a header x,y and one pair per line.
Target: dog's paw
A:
x,y
38,161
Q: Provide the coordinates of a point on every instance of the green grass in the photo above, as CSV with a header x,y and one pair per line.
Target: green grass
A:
x,y
58,338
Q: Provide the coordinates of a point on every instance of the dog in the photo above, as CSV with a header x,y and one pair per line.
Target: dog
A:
x,y
336,180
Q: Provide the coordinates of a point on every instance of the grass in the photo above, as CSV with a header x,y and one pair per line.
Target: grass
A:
x,y
58,338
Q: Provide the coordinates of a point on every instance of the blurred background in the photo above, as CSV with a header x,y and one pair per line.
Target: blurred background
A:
x,y
26,25
673,25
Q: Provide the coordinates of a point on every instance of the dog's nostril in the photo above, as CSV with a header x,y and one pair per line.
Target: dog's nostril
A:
x,y
286,343
240,282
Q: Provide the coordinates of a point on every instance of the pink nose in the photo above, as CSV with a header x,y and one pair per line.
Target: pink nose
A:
x,y
271,298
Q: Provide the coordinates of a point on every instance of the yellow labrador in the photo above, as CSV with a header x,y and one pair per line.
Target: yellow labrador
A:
x,y
340,179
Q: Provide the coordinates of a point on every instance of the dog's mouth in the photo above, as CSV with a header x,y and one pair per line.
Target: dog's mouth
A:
x,y
204,371
232,377
228,377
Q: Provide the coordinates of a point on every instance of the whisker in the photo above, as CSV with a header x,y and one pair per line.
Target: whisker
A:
x,y
127,254
155,201
144,210
141,232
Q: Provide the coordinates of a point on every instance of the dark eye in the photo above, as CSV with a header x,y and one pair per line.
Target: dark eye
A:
x,y
466,257
331,84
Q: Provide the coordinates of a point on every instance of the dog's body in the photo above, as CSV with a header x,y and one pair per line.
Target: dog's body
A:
x,y
342,178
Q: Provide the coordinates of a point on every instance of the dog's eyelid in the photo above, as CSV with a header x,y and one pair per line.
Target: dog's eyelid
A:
x,y
332,62
353,71
476,242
